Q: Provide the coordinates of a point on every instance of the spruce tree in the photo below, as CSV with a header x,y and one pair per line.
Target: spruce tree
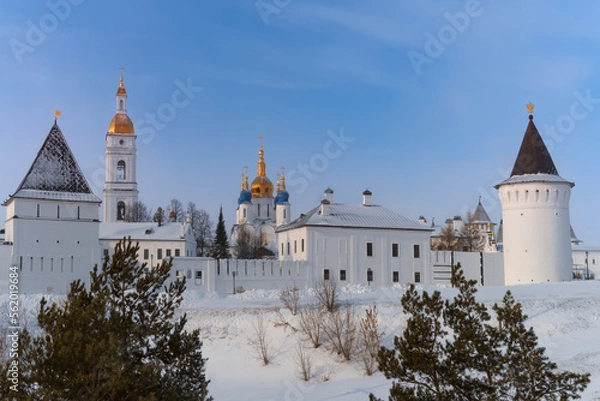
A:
x,y
449,350
221,243
117,340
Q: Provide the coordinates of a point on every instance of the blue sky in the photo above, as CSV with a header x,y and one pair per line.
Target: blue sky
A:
x,y
427,137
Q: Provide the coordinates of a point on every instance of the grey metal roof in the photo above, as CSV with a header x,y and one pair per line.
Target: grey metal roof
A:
x,y
55,173
141,231
480,215
355,216
517,179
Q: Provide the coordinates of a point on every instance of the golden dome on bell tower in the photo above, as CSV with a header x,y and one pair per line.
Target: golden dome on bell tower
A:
x,y
121,123
261,187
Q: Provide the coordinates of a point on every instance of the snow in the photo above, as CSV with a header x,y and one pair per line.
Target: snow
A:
x,y
565,317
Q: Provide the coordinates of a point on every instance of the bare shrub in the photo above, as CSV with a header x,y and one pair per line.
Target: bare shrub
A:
x,y
261,342
304,362
311,323
290,297
327,294
341,330
240,290
368,340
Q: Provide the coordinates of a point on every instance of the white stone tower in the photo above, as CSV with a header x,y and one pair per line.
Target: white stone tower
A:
x,y
120,188
535,213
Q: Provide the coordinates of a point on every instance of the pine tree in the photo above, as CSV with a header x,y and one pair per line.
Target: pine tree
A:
x,y
159,216
118,340
449,350
221,243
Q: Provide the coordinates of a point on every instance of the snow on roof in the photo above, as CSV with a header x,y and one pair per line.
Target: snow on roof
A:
x,y
355,216
56,195
141,231
517,179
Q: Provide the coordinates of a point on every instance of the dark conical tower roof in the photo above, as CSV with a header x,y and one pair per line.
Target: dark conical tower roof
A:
x,y
533,157
480,214
55,173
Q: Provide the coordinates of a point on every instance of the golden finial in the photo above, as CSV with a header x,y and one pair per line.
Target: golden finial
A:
x,y
282,179
56,114
245,179
530,107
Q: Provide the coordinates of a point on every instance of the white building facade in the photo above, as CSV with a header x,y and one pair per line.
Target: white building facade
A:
x,y
357,243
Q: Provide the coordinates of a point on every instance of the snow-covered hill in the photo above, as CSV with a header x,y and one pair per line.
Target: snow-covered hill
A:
x,y
565,316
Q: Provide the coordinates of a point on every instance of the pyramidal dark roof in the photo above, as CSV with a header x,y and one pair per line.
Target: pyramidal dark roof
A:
x,y
55,171
480,214
533,157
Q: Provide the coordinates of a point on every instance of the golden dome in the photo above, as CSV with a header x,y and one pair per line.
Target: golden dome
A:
x,y
121,124
261,187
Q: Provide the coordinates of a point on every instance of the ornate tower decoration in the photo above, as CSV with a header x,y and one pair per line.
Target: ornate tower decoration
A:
x,y
120,189
282,201
535,215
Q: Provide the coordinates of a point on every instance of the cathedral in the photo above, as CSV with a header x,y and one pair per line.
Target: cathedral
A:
x,y
259,213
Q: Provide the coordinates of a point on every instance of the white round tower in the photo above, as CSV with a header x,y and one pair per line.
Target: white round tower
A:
x,y
535,213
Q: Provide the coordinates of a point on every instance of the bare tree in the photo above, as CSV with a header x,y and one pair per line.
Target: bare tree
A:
x,y
369,338
261,342
448,239
304,362
472,239
159,216
245,243
340,329
311,323
177,207
290,297
138,212
327,294
202,228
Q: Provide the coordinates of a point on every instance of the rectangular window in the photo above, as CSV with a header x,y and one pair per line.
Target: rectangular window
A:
x,y
177,252
72,263
105,254
342,275
62,265
395,250
295,246
38,210
302,245
146,254
288,247
369,249
159,253
51,264
31,264
369,275
189,274
41,264
395,277
57,211
168,253
21,263
326,274
417,251
199,274
417,277
78,212
282,248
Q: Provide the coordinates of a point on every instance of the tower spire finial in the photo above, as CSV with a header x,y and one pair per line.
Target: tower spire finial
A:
x,y
530,107
56,114
262,167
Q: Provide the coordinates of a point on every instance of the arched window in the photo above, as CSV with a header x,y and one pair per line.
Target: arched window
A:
x,y
121,170
121,211
121,104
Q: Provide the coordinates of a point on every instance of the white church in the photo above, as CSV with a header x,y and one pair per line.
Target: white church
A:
x,y
53,233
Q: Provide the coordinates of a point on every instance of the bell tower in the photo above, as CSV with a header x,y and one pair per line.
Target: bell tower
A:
x,y
120,188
